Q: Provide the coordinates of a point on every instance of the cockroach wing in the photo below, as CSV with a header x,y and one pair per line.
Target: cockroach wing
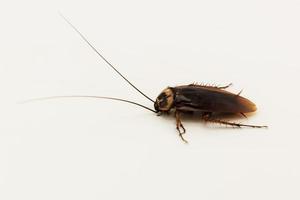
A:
x,y
210,99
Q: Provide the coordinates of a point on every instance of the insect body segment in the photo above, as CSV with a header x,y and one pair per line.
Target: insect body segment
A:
x,y
165,100
207,100
202,98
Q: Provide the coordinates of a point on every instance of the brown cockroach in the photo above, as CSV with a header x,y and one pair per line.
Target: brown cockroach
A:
x,y
192,98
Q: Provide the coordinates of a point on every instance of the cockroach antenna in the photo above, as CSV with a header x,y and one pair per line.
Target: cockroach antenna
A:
x,y
96,51
88,96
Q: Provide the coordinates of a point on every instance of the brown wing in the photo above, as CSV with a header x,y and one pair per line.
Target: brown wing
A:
x,y
210,99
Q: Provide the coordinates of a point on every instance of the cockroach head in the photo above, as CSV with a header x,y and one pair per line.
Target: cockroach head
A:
x,y
165,100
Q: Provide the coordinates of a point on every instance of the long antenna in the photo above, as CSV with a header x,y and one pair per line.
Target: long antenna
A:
x,y
84,38
88,96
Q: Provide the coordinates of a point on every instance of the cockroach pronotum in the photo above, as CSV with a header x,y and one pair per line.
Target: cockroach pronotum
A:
x,y
193,98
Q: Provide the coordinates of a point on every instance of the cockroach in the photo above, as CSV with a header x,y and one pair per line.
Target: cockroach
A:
x,y
192,98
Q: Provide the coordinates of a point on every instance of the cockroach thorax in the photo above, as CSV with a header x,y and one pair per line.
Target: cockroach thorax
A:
x,y
165,100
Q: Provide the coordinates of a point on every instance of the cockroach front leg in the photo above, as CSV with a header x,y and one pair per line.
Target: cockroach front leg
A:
x,y
180,128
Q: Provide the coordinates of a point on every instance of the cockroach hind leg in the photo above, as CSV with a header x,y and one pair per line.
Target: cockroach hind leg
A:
x,y
180,128
224,87
233,124
243,114
238,94
195,84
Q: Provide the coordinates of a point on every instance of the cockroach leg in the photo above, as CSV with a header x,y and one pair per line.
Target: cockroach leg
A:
x,y
239,125
224,87
210,86
238,94
244,115
180,128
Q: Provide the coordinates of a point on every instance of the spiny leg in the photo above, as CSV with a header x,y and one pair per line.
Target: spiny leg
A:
x,y
210,86
232,123
180,128
243,114
224,87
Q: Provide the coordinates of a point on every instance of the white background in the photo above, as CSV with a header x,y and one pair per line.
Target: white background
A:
x,y
98,149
